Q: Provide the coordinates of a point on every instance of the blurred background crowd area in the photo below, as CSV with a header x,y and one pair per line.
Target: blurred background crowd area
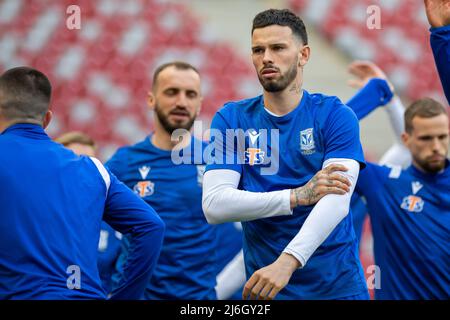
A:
x,y
102,72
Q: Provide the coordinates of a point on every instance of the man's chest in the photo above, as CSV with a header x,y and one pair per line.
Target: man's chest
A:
x,y
295,150
165,181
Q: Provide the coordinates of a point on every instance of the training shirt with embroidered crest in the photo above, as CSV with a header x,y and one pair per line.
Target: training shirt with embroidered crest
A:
x,y
187,264
319,128
410,217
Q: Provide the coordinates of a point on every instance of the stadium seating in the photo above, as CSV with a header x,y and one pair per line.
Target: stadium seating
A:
x,y
401,47
102,72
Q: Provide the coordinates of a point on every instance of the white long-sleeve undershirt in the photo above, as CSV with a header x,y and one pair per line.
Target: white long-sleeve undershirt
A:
x,y
397,155
324,217
231,278
396,111
223,202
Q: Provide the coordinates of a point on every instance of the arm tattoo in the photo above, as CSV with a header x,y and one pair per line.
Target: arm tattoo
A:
x,y
297,197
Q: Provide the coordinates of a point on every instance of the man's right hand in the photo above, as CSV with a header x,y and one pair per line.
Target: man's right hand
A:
x,y
326,181
364,71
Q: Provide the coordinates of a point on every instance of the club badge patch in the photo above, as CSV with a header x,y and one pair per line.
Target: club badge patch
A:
x,y
307,145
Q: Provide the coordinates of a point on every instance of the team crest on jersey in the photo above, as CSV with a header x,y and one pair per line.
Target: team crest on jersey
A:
x,y
144,188
254,156
412,204
307,145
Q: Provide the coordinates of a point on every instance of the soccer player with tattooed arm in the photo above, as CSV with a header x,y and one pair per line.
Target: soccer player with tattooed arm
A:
x,y
291,174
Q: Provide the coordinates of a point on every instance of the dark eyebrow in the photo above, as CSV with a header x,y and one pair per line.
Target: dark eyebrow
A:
x,y
192,91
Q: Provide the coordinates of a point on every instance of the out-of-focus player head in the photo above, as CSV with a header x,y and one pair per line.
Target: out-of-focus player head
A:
x,y
279,49
427,134
78,142
24,97
175,96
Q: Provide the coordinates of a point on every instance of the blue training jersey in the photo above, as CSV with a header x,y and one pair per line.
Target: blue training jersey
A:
x,y
229,243
374,94
440,45
359,212
186,268
108,252
52,204
410,216
319,128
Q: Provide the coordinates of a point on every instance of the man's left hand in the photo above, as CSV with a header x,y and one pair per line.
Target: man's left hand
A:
x,y
266,282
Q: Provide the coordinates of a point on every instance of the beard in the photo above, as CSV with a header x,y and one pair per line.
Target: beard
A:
x,y
281,83
431,167
171,127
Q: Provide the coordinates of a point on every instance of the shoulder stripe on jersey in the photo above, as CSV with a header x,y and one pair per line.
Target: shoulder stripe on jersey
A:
x,y
395,172
103,172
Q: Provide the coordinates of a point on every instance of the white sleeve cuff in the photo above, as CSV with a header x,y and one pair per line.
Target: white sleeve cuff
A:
x,y
223,202
297,255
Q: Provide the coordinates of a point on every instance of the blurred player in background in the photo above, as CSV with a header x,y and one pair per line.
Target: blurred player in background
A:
x,y
376,91
410,210
109,243
230,259
53,202
188,266
78,142
438,14
286,213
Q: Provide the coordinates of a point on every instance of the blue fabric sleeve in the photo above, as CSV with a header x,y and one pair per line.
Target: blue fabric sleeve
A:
x,y
130,215
341,135
366,179
371,179
223,147
374,94
440,44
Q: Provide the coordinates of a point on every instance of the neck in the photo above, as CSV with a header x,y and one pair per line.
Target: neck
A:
x,y
6,124
283,102
3,126
163,140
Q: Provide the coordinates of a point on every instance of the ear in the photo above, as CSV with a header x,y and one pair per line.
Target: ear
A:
x,y
151,100
200,106
303,55
47,118
405,138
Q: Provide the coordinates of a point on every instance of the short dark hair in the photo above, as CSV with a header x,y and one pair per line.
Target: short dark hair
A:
x,y
24,94
75,137
285,18
180,65
423,108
